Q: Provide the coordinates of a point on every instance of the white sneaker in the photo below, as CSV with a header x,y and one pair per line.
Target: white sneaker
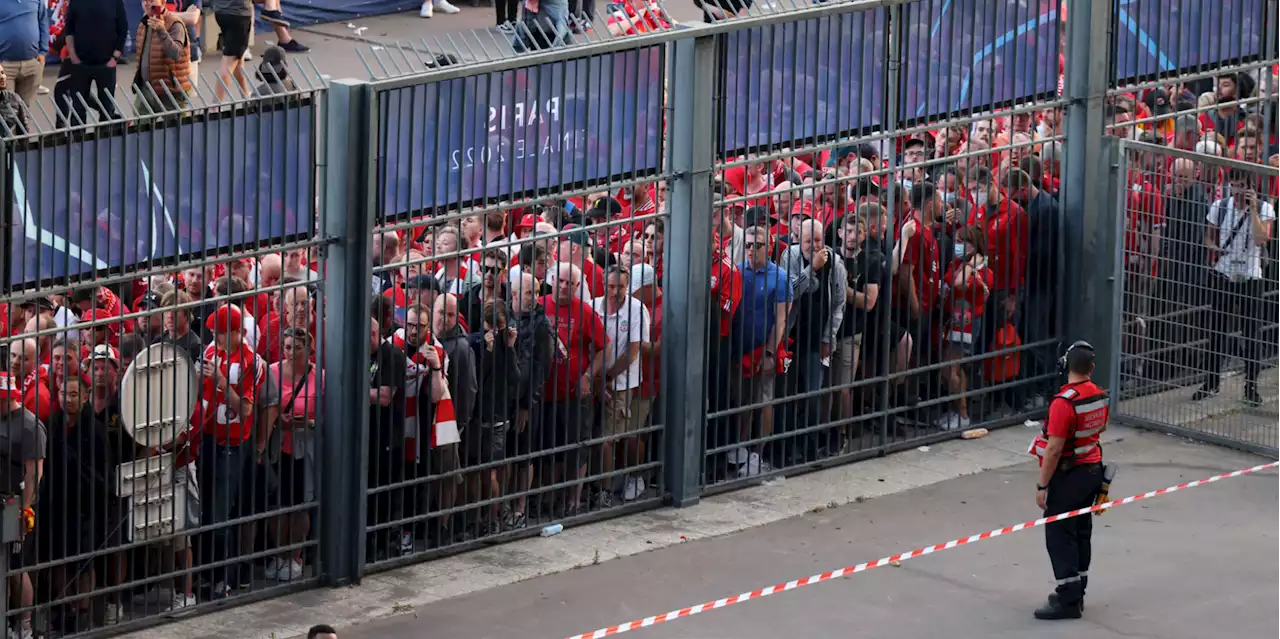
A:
x,y
633,489
445,7
114,612
272,567
962,423
752,467
23,633
181,600
248,55
290,570
739,456
426,10
949,421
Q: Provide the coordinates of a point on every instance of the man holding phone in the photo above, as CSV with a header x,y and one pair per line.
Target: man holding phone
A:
x,y
1238,228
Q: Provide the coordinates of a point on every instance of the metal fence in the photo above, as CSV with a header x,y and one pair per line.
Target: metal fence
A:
x,y
566,284
1199,296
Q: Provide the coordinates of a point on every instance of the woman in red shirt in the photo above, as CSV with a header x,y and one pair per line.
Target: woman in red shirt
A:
x,y
965,288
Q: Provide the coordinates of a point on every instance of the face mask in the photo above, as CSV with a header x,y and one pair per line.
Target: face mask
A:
x,y
960,249
949,197
907,184
980,198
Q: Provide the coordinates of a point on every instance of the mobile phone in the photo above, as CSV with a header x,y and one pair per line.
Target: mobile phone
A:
x,y
156,10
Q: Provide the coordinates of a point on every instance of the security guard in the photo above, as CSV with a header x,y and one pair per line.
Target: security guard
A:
x,y
1070,478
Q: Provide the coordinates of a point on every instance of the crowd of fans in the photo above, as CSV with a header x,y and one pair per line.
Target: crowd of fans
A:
x,y
514,372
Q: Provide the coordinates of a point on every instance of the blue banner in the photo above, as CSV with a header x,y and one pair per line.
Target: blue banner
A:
x,y
811,79
1161,37
961,55
91,206
516,132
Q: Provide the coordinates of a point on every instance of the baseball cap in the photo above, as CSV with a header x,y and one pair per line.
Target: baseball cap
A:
x,y
103,351
1157,100
603,208
9,388
149,301
642,275
101,314
802,207
527,221
580,238
225,320
757,216
425,281
42,303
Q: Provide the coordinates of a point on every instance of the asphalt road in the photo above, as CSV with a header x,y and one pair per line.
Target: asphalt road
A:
x,y
1195,564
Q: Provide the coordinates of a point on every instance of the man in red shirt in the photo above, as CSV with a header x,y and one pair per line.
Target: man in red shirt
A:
x,y
576,374
230,375
917,267
1070,477
1008,236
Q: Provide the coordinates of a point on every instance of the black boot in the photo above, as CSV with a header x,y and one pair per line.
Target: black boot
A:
x,y
1053,599
1055,609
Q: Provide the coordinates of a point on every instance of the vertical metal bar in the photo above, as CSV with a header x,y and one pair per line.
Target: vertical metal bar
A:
x,y
891,114
1115,258
691,159
348,215
1088,209
6,250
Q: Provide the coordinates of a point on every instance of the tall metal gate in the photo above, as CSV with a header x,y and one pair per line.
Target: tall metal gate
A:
x,y
1195,235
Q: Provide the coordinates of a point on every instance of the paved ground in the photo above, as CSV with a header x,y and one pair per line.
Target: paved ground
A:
x,y
1224,415
1193,565
373,47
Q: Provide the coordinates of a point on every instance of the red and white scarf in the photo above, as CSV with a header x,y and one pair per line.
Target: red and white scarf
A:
x,y
444,429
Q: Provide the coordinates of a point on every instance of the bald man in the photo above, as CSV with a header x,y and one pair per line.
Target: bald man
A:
x,y
1186,204
461,371
818,280
270,270
31,378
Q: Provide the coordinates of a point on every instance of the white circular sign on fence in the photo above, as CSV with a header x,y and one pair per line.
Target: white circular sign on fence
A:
x,y
157,395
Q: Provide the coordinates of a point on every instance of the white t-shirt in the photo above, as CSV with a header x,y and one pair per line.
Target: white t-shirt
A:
x,y
630,325
1243,258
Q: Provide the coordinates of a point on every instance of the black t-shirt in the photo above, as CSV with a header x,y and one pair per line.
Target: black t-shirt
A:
x,y
191,343
867,267
22,439
388,367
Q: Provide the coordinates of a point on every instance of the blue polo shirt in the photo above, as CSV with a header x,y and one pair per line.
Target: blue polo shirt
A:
x,y
762,290
24,30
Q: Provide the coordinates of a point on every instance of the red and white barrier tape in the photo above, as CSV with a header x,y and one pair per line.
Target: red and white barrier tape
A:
x,y
850,570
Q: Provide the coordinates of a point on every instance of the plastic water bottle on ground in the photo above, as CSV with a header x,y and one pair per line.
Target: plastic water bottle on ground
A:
x,y
553,529
974,433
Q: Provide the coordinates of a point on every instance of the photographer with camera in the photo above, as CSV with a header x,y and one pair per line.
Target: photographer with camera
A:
x,y
1239,227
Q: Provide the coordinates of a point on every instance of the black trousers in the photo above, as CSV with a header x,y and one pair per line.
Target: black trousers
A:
x,y
1239,306
1070,541
75,89
507,10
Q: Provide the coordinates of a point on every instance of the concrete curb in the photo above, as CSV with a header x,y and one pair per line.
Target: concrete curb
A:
x,y
401,591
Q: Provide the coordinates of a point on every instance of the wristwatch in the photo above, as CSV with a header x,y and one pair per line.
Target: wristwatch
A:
x,y
1039,487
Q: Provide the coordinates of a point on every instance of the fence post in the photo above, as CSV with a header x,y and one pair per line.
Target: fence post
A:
x,y
691,156
1088,189
347,216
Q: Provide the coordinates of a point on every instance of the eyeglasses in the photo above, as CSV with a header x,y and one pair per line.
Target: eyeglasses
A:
x,y
495,269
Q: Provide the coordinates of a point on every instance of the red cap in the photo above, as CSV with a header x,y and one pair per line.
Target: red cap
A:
x,y
101,314
9,388
802,207
528,221
226,319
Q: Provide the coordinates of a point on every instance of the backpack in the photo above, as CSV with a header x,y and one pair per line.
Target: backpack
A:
x,y
1003,367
